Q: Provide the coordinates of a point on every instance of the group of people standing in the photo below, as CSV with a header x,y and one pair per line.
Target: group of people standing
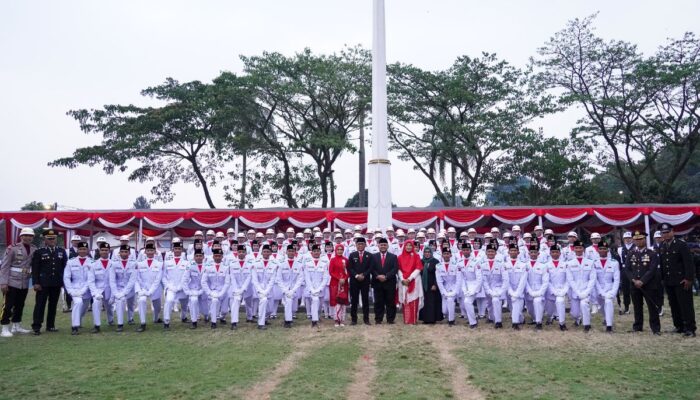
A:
x,y
429,275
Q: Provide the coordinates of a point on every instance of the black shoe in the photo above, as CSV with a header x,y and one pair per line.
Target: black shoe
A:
x,y
110,323
287,324
473,326
549,322
586,328
166,327
249,321
532,323
130,322
262,327
314,324
120,328
96,329
608,329
516,327
74,331
377,322
141,328
234,326
450,323
538,327
206,319
52,329
185,320
489,321
353,323
689,334
498,325
576,323
657,333
37,332
213,325
222,321
390,322
194,325
366,322
563,327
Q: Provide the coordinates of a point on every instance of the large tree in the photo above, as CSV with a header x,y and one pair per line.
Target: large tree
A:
x,y
457,122
635,107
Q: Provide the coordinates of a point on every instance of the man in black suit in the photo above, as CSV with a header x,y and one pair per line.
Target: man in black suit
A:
x,y
359,269
385,265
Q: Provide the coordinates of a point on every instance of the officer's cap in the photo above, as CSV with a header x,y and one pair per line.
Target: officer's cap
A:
x,y
82,245
513,246
578,243
491,246
603,244
26,232
104,245
639,235
217,251
665,227
240,247
49,233
177,245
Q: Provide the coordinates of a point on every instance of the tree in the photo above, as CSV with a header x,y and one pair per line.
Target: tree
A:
x,y
38,206
635,107
177,142
461,119
316,102
141,203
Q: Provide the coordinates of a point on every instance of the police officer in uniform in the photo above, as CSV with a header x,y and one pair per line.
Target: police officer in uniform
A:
x,y
48,264
678,274
642,269
14,282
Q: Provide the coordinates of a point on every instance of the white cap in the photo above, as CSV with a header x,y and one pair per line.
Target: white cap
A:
x,y
431,230
471,230
377,230
357,235
507,235
241,235
177,240
421,234
495,229
574,234
220,234
411,230
451,230
251,231
150,239
358,228
538,227
488,235
75,238
400,232
548,232
441,235
211,232
259,235
378,235
627,234
527,235
230,230
317,229
198,233
348,230
124,237
307,230
101,239
595,235
26,232
338,236
280,235
318,235
515,228
421,230
463,233
337,230
657,234
299,235
270,231
290,230
389,229
327,230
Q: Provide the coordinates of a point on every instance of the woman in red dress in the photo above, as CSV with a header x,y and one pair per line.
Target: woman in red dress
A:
x,y
410,286
339,288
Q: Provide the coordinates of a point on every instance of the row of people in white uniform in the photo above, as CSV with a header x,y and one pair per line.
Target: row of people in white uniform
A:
x,y
541,285
212,286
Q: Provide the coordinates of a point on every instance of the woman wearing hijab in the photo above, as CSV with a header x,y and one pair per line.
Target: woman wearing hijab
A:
x,y
410,286
432,299
338,286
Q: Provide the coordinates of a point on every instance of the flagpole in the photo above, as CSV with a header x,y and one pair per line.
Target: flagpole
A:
x,y
379,202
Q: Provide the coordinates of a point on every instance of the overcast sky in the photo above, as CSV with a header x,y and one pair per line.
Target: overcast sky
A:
x,y
62,55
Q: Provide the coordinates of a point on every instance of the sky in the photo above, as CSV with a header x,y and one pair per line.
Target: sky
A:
x,y
61,55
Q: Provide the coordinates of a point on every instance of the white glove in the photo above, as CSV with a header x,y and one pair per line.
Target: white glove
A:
x,y
98,297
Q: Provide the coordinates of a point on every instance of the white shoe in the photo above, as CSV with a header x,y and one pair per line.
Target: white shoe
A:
x,y
6,331
17,328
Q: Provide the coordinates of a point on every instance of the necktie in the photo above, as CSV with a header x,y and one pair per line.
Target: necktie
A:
x,y
361,257
383,257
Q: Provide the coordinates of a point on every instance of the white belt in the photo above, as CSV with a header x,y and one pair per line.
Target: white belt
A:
x,y
15,269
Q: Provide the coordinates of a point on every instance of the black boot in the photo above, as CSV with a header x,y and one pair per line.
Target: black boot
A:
x,y
74,331
473,326
213,325
516,327
120,328
608,329
194,325
563,327
234,326
166,327
96,329
141,328
586,328
538,327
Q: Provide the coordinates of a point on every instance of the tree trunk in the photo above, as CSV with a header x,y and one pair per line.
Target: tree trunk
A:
x,y
332,185
453,173
203,182
287,192
244,179
323,180
362,201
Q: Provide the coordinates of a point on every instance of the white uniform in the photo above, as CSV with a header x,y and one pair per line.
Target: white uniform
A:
x,y
316,277
263,280
449,281
115,254
581,277
149,274
173,271
495,287
536,289
122,279
215,283
290,277
192,287
557,291
471,286
591,252
517,283
239,291
98,281
75,281
607,283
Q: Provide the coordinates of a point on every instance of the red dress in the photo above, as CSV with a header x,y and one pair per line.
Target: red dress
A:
x,y
338,270
411,295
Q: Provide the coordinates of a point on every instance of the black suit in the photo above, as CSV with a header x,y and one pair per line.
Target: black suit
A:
x,y
677,265
47,270
384,292
359,288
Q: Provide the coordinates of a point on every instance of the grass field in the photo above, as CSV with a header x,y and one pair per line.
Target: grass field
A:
x,y
382,362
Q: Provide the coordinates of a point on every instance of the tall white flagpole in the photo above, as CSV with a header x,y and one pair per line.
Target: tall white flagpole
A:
x,y
379,202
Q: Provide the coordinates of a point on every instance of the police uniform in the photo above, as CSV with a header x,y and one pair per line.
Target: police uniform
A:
x,y
677,266
15,271
624,251
643,265
48,264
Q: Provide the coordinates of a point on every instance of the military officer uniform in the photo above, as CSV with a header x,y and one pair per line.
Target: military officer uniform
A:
x,y
471,284
643,266
495,284
316,277
15,271
48,264
677,267
517,282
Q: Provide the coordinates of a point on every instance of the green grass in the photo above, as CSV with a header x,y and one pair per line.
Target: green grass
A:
x,y
323,374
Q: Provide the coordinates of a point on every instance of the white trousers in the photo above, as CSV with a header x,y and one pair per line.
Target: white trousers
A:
x,y
143,303
581,308
467,305
516,310
120,304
